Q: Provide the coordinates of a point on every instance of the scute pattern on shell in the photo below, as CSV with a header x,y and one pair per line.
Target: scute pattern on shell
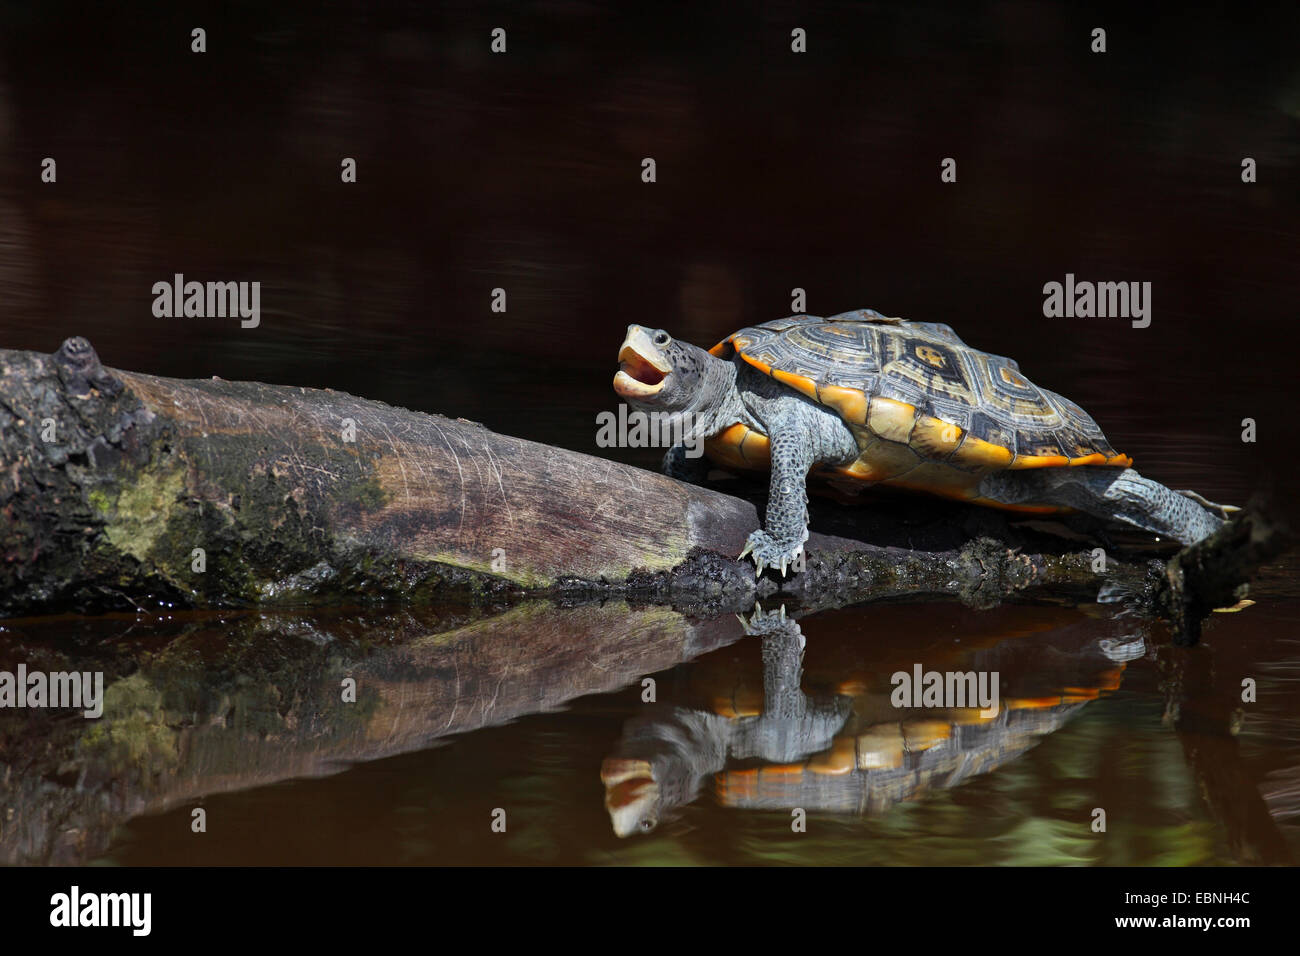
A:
x,y
927,367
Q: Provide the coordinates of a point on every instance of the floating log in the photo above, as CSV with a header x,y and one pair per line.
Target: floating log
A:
x,y
122,490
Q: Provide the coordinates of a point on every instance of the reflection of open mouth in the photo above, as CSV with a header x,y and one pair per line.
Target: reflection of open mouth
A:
x,y
641,367
614,772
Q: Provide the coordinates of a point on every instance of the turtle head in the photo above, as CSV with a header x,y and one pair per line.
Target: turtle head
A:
x,y
656,372
631,795
661,763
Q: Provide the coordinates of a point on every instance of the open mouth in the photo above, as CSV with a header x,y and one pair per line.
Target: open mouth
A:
x,y
641,372
638,368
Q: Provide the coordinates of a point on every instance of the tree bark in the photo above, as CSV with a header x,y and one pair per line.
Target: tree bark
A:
x,y
120,490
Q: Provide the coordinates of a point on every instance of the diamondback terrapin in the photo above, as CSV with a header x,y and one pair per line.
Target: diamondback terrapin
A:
x,y
867,398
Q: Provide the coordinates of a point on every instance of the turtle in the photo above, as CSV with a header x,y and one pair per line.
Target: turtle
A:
x,y
867,399
853,750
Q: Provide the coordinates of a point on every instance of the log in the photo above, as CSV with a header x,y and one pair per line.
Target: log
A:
x,y
123,490
112,480
1216,572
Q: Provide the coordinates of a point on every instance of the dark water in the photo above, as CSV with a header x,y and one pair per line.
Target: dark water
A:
x,y
775,171
241,717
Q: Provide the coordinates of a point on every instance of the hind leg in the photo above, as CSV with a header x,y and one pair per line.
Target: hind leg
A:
x,y
1223,511
1114,494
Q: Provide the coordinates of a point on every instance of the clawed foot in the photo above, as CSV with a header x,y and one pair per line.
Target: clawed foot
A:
x,y
1219,511
762,623
767,551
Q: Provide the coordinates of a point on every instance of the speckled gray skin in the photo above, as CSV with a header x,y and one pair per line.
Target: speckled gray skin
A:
x,y
1119,494
719,393
802,434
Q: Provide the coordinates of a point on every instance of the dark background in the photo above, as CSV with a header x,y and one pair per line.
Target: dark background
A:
x,y
775,170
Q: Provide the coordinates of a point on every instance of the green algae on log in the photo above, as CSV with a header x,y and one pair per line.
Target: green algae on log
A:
x,y
122,490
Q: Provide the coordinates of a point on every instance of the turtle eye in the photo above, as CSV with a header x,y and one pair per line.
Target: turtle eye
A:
x,y
662,339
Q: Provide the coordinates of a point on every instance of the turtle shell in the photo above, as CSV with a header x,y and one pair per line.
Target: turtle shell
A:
x,y
928,411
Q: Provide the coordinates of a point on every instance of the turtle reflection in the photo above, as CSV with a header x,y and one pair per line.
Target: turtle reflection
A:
x,y
850,750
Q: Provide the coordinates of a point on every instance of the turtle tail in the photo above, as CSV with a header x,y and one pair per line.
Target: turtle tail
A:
x,y
1115,494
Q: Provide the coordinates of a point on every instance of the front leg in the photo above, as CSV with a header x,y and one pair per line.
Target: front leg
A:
x,y
781,542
